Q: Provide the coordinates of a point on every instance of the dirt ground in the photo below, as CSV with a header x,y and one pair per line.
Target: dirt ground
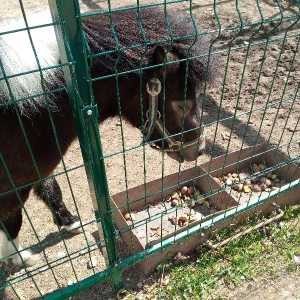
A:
x,y
230,100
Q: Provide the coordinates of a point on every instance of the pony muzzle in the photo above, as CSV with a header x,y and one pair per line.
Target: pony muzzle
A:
x,y
190,150
176,149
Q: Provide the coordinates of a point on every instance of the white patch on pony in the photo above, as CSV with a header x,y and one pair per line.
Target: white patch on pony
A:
x,y
75,228
8,249
17,55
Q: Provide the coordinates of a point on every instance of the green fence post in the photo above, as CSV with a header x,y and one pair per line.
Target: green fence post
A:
x,y
73,50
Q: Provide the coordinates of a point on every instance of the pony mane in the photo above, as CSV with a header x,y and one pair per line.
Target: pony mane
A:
x,y
150,30
17,56
139,36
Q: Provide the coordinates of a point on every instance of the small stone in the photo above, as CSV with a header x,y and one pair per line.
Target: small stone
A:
x,y
140,285
190,190
173,220
207,204
129,217
166,281
155,228
220,180
296,259
200,199
229,181
256,170
185,198
234,175
246,188
266,181
70,282
183,219
238,187
256,188
263,186
168,198
269,175
243,176
184,190
262,180
247,182
261,167
92,263
174,202
175,195
253,180
193,204
274,176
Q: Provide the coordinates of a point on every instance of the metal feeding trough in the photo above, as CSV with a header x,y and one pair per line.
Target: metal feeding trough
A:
x,y
149,221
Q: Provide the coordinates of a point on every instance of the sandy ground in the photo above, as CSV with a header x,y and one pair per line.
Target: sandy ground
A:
x,y
230,101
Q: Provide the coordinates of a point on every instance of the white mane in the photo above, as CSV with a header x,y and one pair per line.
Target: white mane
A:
x,y
17,56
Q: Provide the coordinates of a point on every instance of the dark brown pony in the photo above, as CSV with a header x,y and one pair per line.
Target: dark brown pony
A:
x,y
174,54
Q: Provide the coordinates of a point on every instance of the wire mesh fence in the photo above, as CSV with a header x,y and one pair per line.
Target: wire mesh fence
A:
x,y
165,81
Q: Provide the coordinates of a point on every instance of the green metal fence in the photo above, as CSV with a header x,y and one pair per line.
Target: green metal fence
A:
x,y
121,188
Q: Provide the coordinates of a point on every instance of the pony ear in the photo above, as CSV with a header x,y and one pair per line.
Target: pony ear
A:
x,y
162,54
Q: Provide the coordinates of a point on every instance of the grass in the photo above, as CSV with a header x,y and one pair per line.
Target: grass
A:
x,y
265,252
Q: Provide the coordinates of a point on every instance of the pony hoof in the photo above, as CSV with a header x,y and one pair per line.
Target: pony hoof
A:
x,y
28,259
74,228
33,260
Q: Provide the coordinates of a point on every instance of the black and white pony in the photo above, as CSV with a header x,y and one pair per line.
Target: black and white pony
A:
x,y
28,146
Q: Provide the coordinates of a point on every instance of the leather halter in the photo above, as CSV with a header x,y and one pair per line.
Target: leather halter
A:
x,y
153,88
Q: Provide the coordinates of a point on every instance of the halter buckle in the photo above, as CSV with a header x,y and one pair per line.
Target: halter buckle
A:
x,y
175,146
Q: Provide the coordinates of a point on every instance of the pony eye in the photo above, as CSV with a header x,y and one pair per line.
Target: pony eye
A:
x,y
183,106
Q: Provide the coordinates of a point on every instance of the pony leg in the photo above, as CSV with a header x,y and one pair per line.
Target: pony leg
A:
x,y
11,246
53,199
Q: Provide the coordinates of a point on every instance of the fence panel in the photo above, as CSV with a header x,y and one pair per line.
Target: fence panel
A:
x,y
160,78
